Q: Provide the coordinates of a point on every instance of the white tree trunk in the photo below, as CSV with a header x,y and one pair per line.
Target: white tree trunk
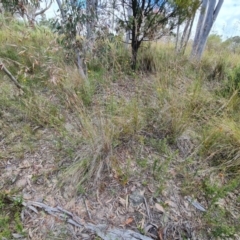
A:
x,y
208,15
182,43
187,36
199,26
177,37
91,7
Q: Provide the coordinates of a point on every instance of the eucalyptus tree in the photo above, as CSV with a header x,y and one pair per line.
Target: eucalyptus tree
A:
x,y
190,8
91,13
208,14
72,17
149,20
27,9
90,7
233,44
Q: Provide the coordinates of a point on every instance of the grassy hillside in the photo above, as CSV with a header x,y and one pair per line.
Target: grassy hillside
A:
x,y
171,131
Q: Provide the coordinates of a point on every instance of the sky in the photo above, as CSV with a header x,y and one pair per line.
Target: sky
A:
x,y
228,21
226,25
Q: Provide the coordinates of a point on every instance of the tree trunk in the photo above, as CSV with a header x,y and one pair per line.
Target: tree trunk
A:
x,y
206,19
91,7
134,58
80,65
199,27
186,34
135,48
208,22
177,37
179,45
129,14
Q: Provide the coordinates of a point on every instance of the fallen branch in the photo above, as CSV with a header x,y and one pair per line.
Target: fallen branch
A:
x,y
147,208
15,81
101,230
115,233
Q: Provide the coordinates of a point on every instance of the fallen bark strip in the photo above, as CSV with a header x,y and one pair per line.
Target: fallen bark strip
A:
x,y
101,230
15,81
115,233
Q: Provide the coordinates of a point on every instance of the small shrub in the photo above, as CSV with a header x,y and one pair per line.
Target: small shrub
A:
x,y
10,220
218,72
232,82
223,231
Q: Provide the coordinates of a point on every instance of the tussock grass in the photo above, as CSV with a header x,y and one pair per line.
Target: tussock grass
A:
x,y
221,144
30,54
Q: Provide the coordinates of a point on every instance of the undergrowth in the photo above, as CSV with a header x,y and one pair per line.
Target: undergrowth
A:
x,y
10,220
116,108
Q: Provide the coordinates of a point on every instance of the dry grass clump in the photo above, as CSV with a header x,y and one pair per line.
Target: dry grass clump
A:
x,y
31,55
221,145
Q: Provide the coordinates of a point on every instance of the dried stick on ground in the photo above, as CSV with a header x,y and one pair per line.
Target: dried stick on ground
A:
x,y
101,230
15,81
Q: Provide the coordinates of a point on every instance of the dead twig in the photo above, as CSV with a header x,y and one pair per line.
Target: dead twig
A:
x,y
15,81
147,208
89,215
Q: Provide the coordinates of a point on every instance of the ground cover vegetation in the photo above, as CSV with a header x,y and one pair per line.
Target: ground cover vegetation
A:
x,y
169,129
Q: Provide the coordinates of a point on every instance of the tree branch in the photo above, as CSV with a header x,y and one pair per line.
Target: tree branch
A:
x,y
5,70
43,10
61,9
